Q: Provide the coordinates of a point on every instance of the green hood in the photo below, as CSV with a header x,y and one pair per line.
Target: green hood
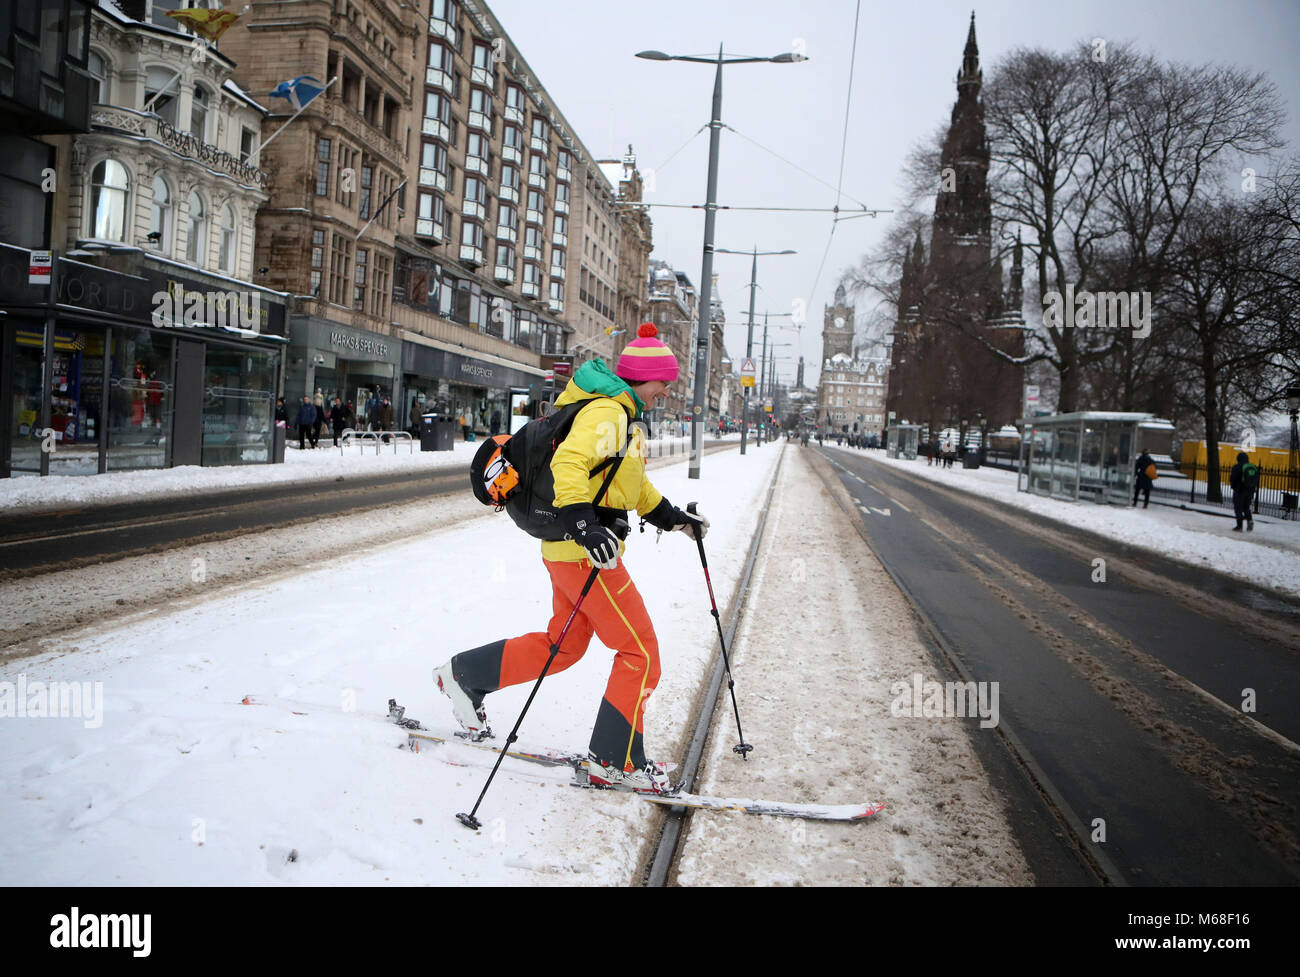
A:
x,y
596,378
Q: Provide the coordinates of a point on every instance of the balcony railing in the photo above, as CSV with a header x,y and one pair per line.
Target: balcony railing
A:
x,y
507,233
504,273
509,154
425,227
513,114
471,255
532,253
529,289
477,164
433,178
508,195
555,305
564,173
537,180
561,206
481,121
483,76
560,240
538,145
535,216
181,143
440,28
557,273
437,78
436,128
471,208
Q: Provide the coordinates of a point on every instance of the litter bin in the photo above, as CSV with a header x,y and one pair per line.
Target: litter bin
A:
x,y
436,433
970,459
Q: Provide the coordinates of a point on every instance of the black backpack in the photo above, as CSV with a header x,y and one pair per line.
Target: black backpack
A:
x,y
513,472
1250,475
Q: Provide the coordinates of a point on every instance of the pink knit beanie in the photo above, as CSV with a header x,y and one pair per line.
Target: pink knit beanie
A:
x,y
646,358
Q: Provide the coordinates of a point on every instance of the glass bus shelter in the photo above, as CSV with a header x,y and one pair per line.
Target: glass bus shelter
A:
x,y
903,440
1089,455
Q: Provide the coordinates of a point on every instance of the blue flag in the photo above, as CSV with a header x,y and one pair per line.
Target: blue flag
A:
x,y
299,91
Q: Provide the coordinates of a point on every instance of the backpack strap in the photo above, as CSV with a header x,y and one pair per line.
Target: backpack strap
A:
x,y
614,462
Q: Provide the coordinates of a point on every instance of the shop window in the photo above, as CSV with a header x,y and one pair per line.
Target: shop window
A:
x,y
238,405
140,399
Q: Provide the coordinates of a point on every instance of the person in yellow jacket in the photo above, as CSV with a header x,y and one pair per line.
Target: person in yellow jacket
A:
x,y
613,610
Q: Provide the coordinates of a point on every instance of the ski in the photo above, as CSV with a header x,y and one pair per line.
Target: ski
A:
x,y
418,736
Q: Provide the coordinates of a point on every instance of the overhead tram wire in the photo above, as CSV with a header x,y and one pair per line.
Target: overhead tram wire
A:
x,y
844,146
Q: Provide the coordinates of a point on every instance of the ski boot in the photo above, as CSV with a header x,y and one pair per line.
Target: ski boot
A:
x,y
472,718
650,779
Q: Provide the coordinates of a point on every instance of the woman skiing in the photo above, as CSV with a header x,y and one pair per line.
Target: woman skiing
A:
x,y
613,609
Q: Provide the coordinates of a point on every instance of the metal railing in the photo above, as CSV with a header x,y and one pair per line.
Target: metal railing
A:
x,y
360,438
1277,495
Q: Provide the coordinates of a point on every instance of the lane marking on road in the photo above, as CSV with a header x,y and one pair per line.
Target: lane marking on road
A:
x,y
897,503
865,510
883,512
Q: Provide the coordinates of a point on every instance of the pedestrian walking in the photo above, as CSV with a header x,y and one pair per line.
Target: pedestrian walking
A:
x,y
319,402
338,419
306,423
613,611
1244,482
494,425
1145,472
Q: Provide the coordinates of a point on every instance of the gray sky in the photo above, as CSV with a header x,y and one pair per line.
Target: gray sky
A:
x,y
903,87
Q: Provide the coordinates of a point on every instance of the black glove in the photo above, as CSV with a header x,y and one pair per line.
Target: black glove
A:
x,y
600,543
668,517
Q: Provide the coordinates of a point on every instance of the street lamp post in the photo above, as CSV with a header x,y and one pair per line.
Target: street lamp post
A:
x,y
1293,455
702,336
749,336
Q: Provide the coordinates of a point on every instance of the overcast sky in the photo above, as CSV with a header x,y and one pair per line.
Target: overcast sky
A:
x,y
903,86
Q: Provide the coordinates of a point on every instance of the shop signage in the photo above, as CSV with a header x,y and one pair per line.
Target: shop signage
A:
x,y
39,268
345,340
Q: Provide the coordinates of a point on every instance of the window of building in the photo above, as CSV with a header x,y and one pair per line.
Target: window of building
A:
x,y
562,192
557,291
475,190
482,56
437,106
98,71
507,216
161,88
199,113
557,258
196,247
536,201
476,145
540,128
471,235
480,101
532,273
514,97
317,260
537,166
322,167
345,190
110,185
505,256
161,222
247,144
380,274
229,239
359,280
561,225
340,266
512,137
440,57
564,159
367,179
533,237
433,156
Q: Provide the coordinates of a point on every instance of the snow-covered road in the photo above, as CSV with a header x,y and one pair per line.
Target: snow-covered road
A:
x,y
825,635
174,780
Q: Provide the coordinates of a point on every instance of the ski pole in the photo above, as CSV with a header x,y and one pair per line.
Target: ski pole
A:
x,y
469,820
742,747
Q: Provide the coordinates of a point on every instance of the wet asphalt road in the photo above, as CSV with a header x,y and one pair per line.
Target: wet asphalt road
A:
x,y
1123,698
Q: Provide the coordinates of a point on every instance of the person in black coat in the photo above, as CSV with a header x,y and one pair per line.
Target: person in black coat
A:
x,y
306,423
1242,494
338,419
1142,483
281,413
